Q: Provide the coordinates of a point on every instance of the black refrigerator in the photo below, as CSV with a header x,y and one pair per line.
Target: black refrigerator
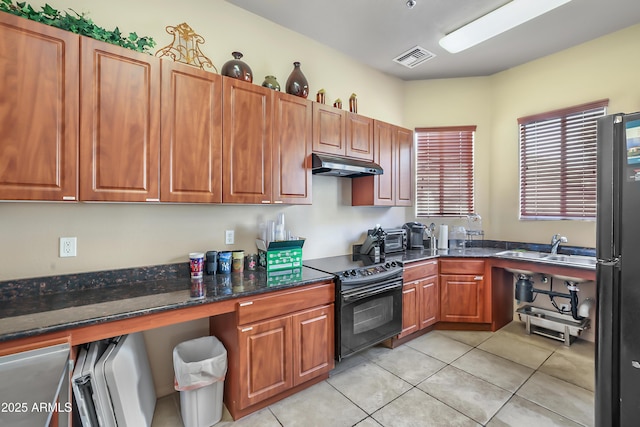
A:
x,y
618,272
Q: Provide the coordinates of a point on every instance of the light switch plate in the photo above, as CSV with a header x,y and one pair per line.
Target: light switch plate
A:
x,y
229,237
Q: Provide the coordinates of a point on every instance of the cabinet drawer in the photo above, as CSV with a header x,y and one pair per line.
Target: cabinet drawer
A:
x,y
420,270
461,266
284,302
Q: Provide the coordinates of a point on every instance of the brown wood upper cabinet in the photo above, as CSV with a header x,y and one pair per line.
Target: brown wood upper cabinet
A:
x,y
341,133
292,136
267,145
393,151
191,146
246,157
120,124
39,115
359,137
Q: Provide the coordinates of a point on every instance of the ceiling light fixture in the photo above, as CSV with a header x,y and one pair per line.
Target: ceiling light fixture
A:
x,y
411,3
504,18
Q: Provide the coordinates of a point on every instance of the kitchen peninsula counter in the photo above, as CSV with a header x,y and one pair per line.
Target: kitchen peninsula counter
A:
x,y
122,305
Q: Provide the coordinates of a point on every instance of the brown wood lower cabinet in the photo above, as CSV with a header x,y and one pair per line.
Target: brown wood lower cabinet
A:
x,y
265,360
420,297
463,294
277,344
313,344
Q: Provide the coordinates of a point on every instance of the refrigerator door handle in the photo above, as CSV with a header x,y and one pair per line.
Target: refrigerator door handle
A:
x,y
607,411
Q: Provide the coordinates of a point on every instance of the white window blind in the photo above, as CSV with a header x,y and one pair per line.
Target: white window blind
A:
x,y
444,171
558,163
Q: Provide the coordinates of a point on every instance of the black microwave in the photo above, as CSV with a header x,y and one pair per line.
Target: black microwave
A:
x,y
395,240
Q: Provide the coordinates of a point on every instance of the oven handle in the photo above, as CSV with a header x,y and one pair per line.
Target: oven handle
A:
x,y
355,296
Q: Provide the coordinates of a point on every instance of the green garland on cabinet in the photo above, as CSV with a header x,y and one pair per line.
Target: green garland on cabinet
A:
x,y
78,24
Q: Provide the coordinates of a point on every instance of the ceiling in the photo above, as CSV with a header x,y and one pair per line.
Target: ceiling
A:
x,y
376,31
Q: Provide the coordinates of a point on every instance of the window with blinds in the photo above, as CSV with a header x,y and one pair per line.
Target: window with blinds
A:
x,y
558,163
444,171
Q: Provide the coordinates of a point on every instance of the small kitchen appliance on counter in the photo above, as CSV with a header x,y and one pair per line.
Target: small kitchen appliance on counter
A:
x,y
368,300
380,242
415,233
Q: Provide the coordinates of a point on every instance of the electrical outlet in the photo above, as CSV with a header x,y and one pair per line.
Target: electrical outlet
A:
x,y
565,307
229,237
68,247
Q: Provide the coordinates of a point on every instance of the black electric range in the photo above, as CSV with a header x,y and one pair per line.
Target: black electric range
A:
x,y
356,270
368,300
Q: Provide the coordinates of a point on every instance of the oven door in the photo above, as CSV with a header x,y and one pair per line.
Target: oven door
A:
x,y
368,315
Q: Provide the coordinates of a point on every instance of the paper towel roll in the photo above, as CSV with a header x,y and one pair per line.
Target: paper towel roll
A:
x,y
443,237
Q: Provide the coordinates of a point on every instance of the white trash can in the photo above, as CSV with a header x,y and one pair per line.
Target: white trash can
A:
x,y
200,366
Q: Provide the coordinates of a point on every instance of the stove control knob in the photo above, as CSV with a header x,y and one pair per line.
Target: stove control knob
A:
x,y
387,265
394,264
345,274
353,273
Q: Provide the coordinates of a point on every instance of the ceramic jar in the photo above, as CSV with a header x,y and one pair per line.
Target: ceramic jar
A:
x,y
237,69
297,83
271,83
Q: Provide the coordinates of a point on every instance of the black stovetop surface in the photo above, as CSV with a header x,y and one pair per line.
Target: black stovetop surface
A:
x,y
340,263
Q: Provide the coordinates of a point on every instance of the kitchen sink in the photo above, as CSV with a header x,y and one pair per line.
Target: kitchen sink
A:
x,y
579,261
522,254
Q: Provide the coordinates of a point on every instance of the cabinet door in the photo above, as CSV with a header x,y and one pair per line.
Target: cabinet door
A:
x,y
119,123
410,305
462,298
429,301
313,343
329,131
403,167
191,147
292,134
359,137
39,114
265,360
246,153
378,190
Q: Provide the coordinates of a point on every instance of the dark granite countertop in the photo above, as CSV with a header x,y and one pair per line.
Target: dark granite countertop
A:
x,y
35,313
30,307
415,255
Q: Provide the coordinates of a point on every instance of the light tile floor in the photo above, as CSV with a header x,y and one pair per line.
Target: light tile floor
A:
x,y
441,379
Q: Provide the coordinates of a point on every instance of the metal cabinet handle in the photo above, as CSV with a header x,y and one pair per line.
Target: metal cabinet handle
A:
x,y
478,278
266,202
250,328
244,304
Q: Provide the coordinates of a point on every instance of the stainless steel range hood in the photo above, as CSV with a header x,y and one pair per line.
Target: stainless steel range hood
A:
x,y
323,164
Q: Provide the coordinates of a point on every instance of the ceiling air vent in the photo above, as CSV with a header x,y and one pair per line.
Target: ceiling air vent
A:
x,y
414,57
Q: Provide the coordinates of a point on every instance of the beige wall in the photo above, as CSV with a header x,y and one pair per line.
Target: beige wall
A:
x,y
124,235
603,68
457,102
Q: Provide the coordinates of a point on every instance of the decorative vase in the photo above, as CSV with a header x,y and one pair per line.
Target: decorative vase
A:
x,y
337,103
320,96
271,83
353,103
297,83
237,69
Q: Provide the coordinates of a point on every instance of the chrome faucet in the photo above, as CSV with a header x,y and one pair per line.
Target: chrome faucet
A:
x,y
555,242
